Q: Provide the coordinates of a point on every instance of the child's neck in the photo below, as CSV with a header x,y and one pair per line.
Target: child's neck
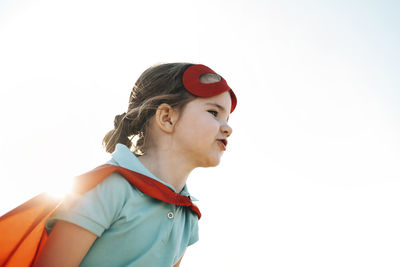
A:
x,y
167,168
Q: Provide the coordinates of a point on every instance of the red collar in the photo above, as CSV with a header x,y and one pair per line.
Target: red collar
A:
x,y
144,183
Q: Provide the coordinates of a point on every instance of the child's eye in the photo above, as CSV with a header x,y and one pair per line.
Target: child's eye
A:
x,y
213,112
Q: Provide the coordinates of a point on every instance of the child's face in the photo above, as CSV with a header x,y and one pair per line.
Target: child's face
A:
x,y
202,130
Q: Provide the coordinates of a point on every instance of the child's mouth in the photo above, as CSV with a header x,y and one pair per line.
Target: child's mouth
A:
x,y
223,143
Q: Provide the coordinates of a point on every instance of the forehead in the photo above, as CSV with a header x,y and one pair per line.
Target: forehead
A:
x,y
223,100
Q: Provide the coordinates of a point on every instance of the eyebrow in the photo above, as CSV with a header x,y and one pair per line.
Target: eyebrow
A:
x,y
216,105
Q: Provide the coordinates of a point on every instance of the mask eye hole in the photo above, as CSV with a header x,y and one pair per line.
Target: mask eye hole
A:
x,y
210,78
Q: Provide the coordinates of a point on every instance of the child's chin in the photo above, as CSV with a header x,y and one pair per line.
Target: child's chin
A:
x,y
212,163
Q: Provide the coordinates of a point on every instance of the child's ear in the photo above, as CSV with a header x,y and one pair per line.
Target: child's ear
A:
x,y
166,117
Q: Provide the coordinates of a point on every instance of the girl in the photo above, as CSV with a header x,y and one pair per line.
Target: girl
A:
x,y
176,121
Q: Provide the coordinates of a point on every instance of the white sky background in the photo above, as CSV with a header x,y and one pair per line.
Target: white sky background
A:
x,y
311,174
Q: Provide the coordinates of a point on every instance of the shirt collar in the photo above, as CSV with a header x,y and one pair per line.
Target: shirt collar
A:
x,y
125,158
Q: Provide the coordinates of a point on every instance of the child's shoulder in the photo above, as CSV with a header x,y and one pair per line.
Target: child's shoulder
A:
x,y
115,182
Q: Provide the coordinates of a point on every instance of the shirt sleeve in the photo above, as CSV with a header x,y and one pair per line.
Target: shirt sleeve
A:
x,y
97,209
195,232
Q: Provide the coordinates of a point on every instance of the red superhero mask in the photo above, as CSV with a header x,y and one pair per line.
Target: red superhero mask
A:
x,y
191,82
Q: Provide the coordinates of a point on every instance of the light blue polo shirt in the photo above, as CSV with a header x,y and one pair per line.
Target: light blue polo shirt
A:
x,y
133,228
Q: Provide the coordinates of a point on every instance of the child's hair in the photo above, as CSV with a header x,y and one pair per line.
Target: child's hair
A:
x,y
157,85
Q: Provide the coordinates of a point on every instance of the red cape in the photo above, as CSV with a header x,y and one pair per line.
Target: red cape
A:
x,y
22,232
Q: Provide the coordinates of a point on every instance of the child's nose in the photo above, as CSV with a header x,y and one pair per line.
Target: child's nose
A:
x,y
226,130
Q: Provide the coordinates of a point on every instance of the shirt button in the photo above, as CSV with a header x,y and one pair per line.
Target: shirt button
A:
x,y
170,215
